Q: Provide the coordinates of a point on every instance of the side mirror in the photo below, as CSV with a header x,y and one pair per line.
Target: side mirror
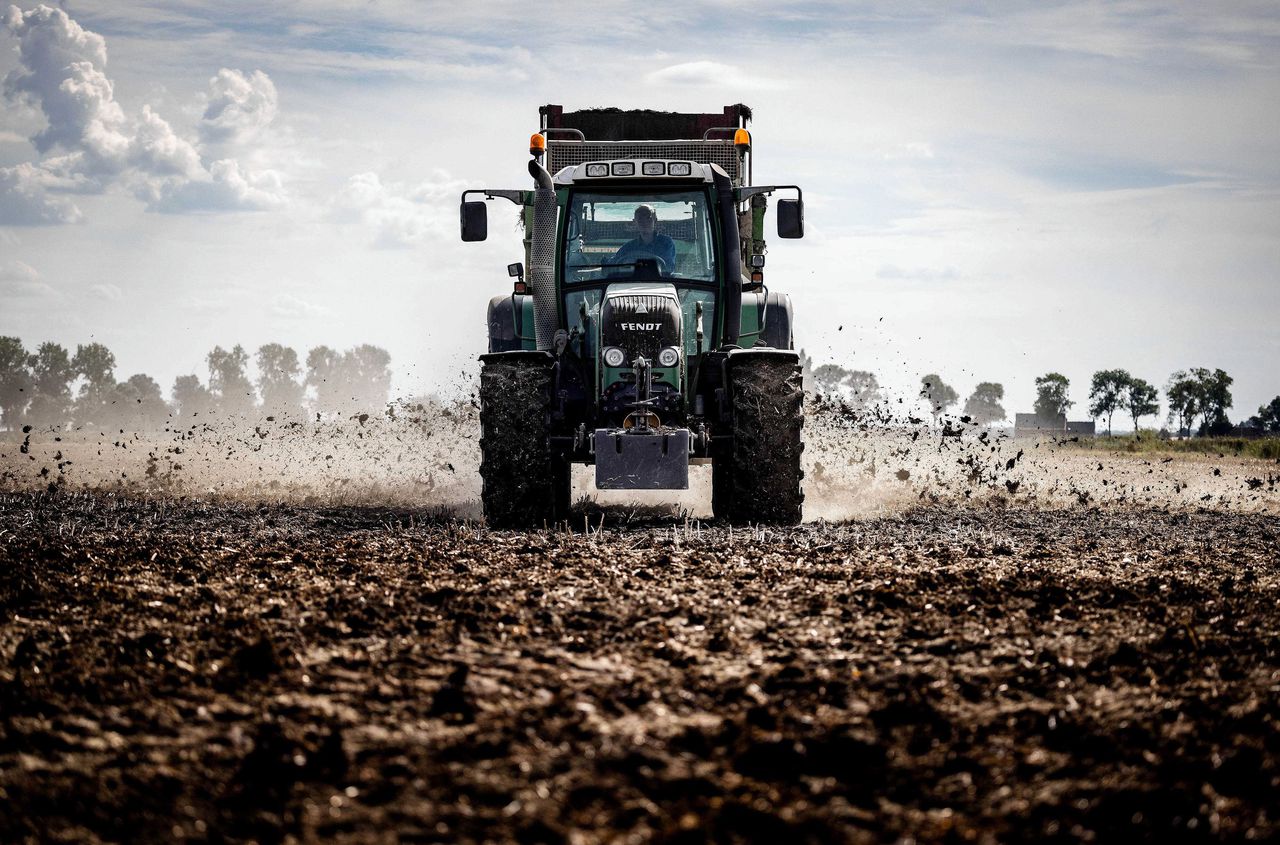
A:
x,y
791,218
475,221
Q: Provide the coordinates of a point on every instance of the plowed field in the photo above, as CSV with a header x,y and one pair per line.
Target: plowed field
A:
x,y
266,630
975,669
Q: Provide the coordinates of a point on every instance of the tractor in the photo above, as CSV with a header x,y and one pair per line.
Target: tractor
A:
x,y
642,338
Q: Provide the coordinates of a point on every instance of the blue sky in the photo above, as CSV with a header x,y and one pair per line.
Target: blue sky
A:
x,y
993,191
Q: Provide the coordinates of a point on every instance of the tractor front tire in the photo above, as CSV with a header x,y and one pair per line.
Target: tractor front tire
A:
x,y
756,477
523,485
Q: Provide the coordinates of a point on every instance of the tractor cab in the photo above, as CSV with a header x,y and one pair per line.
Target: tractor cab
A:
x,y
640,266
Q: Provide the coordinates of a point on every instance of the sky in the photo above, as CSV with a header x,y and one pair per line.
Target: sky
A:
x,y
992,191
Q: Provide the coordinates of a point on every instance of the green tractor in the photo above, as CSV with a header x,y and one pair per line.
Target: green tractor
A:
x,y
643,339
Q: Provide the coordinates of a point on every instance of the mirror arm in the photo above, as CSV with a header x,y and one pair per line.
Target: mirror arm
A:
x,y
741,194
516,197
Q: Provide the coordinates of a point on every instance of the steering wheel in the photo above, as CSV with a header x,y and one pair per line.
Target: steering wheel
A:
x,y
659,263
663,267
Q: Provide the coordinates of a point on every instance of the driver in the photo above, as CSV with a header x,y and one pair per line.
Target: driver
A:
x,y
649,244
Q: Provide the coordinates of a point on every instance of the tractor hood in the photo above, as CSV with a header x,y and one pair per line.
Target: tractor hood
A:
x,y
640,318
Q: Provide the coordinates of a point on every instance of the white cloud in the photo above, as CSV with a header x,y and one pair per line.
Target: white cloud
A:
x,y
907,151
226,187
158,151
927,275
396,216
289,307
109,292
707,73
240,106
61,72
25,199
19,280
18,271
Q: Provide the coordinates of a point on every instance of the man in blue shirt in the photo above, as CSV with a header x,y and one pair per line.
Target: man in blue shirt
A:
x,y
649,244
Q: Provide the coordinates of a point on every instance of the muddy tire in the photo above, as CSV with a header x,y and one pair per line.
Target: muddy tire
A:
x,y
523,485
756,478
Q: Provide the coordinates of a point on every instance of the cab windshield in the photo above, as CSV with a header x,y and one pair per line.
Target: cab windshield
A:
x,y
619,236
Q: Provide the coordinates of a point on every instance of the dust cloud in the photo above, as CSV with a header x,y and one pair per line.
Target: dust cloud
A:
x,y
859,463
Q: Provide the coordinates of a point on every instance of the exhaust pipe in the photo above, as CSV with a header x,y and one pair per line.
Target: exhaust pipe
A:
x,y
732,261
542,258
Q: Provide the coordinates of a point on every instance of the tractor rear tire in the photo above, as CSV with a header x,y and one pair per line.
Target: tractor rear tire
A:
x,y
521,480
756,478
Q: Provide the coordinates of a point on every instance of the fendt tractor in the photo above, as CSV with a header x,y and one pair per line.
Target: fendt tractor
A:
x,y
643,338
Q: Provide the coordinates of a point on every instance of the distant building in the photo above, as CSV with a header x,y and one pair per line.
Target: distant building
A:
x,y
1034,425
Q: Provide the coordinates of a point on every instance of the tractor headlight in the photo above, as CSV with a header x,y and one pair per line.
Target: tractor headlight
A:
x,y
613,356
669,357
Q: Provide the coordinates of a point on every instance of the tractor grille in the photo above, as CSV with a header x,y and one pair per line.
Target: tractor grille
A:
x,y
562,154
640,324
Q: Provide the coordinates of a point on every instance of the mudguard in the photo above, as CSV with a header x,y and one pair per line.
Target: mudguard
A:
x,y
502,325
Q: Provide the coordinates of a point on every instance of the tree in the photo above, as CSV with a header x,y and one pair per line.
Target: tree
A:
x,y
139,402
324,377
938,394
830,378
1269,415
228,382
191,397
864,388
367,369
15,381
1184,399
859,387
1051,396
51,375
278,371
1140,399
806,372
1107,392
96,364
983,405
1214,397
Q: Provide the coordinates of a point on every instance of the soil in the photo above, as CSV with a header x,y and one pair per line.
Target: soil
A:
x,y
976,669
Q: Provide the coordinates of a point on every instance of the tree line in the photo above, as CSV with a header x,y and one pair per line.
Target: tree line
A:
x,y
1198,393
861,389
54,387
1195,394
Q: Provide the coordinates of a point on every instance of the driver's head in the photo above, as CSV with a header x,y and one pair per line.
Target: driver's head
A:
x,y
646,219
